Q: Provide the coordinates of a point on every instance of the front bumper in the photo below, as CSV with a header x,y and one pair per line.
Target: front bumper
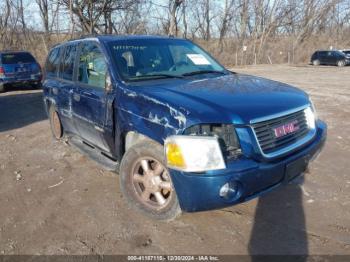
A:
x,y
197,192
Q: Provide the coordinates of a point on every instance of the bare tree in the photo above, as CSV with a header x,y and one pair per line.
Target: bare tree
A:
x,y
44,13
225,21
174,6
96,16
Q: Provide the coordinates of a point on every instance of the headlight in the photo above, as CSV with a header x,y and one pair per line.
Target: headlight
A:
x,y
310,118
193,153
225,133
313,108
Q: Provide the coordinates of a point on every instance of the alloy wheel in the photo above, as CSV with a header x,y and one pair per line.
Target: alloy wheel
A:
x,y
152,183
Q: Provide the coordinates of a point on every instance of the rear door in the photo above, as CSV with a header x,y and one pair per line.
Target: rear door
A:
x,y
89,96
58,90
66,77
331,58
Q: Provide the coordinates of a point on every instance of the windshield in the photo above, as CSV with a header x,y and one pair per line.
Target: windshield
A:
x,y
151,59
14,58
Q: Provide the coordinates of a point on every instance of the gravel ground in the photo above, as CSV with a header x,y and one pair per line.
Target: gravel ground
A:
x,y
56,201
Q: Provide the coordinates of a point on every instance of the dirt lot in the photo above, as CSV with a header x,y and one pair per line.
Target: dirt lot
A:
x,y
53,200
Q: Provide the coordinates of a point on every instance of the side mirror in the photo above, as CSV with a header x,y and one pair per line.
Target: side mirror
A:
x,y
108,83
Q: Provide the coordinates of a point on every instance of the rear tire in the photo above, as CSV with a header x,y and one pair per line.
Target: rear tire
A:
x,y
2,88
316,62
55,123
146,183
341,63
36,86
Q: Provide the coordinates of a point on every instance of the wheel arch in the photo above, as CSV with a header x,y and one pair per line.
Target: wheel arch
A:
x,y
48,102
133,137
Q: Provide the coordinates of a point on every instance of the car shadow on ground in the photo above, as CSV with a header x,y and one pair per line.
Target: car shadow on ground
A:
x,y
279,224
20,109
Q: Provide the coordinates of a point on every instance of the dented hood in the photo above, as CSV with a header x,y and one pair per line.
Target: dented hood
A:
x,y
233,98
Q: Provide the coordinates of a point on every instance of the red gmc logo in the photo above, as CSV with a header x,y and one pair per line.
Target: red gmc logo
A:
x,y
286,129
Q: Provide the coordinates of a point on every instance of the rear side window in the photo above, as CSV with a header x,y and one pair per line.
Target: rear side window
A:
x,y
52,63
67,63
15,58
92,66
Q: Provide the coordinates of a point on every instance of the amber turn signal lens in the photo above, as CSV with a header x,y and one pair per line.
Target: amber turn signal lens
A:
x,y
174,156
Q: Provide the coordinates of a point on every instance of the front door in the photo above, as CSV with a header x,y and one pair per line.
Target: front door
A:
x,y
89,96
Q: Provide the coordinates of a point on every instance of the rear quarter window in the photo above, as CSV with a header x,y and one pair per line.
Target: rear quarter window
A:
x,y
15,58
52,63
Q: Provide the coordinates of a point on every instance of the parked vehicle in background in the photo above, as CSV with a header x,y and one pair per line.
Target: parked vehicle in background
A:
x,y
188,134
331,57
19,67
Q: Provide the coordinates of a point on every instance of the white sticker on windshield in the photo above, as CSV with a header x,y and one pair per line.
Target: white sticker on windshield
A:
x,y
198,59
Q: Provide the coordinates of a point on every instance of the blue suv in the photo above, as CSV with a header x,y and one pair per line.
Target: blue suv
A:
x,y
18,67
184,133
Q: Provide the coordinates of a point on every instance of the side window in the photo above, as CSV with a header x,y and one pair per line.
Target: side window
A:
x,y
67,63
52,63
92,66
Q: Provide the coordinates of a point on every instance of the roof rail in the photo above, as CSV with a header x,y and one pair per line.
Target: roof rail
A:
x,y
94,35
88,36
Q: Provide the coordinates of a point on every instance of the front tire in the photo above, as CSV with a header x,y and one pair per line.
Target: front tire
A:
x,y
36,86
55,123
341,63
146,183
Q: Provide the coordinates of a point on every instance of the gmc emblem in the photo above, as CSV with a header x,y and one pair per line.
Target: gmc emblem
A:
x,y
286,129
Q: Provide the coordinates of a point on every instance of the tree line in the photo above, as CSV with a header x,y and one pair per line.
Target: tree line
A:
x,y
236,31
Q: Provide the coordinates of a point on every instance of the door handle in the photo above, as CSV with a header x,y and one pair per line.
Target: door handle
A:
x,y
87,93
76,97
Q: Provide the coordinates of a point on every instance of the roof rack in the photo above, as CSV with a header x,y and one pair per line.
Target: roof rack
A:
x,y
88,36
94,35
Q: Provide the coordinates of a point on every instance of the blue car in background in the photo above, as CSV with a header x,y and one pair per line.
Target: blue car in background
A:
x,y
183,132
18,67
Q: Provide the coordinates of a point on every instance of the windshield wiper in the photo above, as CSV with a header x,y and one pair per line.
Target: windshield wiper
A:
x,y
204,72
166,75
154,76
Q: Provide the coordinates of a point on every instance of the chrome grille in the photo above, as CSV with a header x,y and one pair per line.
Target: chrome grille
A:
x,y
269,143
